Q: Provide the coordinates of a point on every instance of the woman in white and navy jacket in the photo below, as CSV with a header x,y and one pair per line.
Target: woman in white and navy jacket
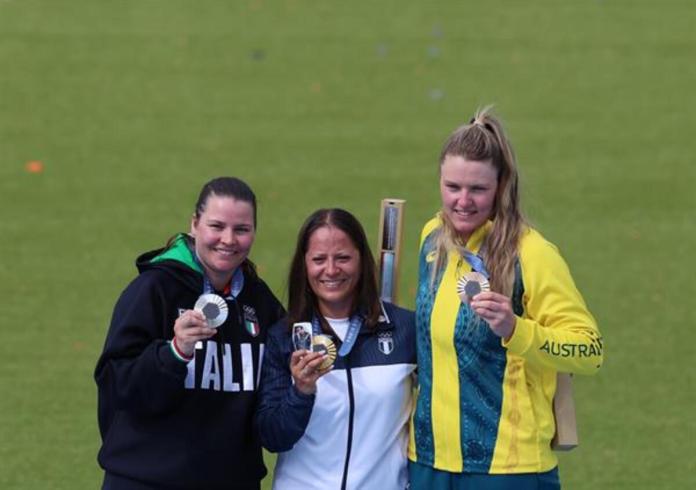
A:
x,y
345,426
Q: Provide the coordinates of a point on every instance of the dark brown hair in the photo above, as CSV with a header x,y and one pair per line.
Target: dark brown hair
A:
x,y
302,301
226,187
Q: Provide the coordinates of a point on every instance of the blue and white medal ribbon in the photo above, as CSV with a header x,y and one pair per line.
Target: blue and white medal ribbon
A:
x,y
354,326
476,263
474,282
236,285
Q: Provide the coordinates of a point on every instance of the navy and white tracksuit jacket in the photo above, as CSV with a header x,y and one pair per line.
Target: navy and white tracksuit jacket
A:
x,y
353,433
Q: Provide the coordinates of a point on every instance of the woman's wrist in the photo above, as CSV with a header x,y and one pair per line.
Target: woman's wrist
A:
x,y
178,353
305,391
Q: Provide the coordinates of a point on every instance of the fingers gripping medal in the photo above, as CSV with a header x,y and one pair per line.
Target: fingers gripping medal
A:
x,y
323,344
214,309
470,285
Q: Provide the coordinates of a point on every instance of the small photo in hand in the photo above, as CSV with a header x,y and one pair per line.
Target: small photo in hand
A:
x,y
302,336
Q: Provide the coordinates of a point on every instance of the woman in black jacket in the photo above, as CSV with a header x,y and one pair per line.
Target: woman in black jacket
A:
x,y
178,375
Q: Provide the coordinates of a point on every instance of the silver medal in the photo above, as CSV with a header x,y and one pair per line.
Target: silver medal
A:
x,y
213,307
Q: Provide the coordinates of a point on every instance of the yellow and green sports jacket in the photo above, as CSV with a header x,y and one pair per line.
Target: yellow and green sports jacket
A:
x,y
485,405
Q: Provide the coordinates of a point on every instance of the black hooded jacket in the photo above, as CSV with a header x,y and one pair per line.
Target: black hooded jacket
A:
x,y
166,424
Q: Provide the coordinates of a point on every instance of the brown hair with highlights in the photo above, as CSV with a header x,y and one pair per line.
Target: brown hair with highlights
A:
x,y
483,139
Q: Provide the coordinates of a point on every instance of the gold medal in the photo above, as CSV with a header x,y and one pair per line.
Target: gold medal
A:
x,y
470,285
323,344
214,309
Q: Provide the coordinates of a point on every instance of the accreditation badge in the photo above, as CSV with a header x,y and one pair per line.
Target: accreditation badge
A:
x,y
470,285
324,344
213,307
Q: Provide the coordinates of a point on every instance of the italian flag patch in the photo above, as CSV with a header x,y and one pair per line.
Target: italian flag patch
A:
x,y
252,327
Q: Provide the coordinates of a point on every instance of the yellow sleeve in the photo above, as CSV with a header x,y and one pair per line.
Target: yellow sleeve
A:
x,y
428,228
556,329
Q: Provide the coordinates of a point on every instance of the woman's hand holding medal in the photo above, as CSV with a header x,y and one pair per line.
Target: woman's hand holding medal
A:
x,y
305,370
496,310
189,328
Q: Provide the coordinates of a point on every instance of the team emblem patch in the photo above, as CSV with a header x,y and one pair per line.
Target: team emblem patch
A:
x,y
385,343
252,327
251,321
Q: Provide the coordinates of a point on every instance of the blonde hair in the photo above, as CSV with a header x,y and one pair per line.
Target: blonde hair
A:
x,y
483,139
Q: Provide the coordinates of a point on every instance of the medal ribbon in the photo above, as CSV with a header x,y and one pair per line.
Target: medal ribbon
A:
x,y
354,326
476,263
232,290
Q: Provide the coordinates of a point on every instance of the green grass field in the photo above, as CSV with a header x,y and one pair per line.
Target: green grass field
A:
x,y
132,105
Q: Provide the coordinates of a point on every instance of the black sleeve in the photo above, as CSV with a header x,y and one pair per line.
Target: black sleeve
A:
x,y
137,371
283,412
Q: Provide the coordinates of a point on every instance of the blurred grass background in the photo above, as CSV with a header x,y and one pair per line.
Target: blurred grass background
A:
x,y
132,105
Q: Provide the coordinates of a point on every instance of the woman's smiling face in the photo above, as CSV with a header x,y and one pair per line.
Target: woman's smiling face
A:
x,y
468,189
333,270
224,233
